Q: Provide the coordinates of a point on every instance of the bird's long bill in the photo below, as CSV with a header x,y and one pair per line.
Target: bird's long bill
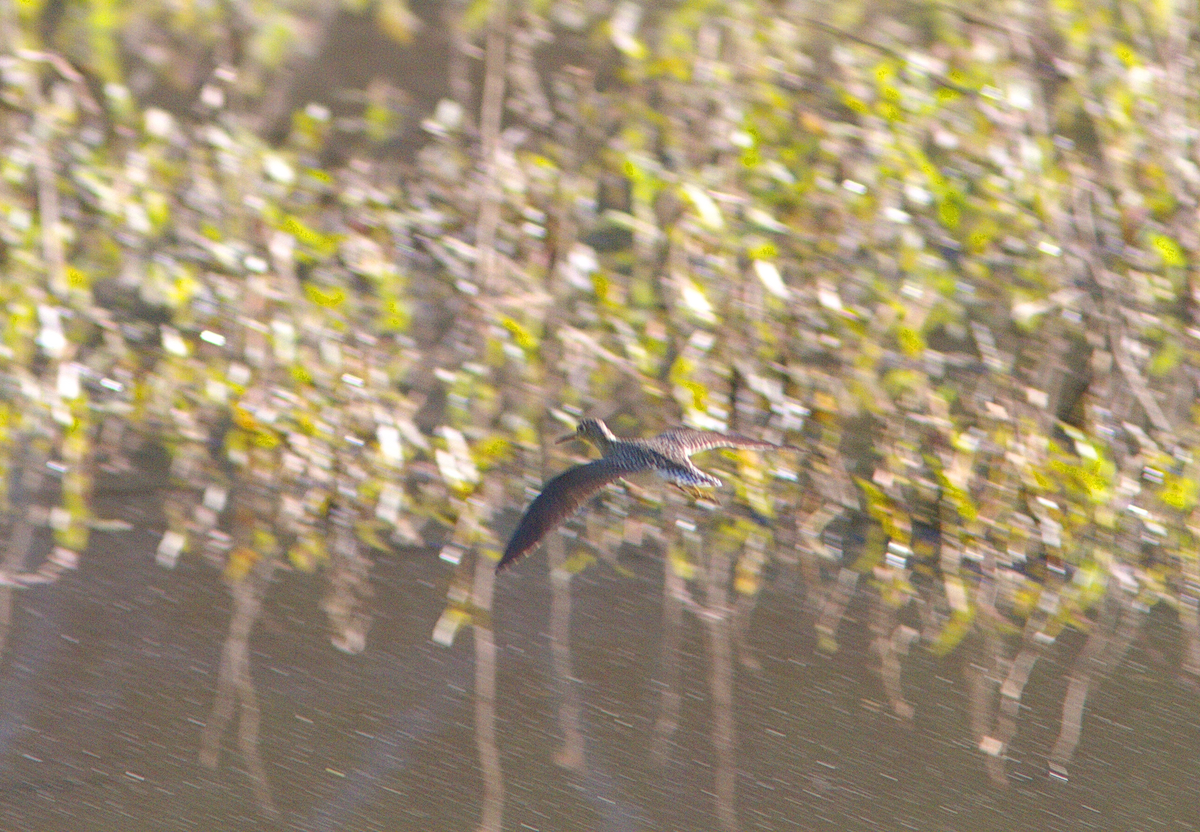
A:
x,y
563,439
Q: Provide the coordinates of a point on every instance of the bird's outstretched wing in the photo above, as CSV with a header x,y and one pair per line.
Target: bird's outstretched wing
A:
x,y
693,441
560,498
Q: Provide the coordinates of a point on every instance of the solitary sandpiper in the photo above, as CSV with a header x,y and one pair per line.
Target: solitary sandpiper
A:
x,y
666,454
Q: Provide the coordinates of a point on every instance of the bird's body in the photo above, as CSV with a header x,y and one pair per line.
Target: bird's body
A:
x,y
667,454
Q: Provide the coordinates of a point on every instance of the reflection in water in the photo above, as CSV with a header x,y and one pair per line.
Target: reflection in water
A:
x,y
1112,633
601,789
890,642
487,222
700,574
817,737
27,477
571,755
27,513
348,602
234,681
833,607
485,701
713,563
674,590
415,696
485,688
1189,616
30,468
22,690
717,614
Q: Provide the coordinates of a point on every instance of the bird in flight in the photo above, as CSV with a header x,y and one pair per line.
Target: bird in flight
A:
x,y
666,455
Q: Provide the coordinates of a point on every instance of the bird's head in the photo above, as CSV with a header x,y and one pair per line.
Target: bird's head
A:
x,y
591,430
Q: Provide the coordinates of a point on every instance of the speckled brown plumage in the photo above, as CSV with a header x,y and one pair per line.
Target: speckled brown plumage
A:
x,y
666,454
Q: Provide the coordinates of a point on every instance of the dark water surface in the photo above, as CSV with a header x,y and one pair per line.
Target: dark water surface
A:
x,y
110,674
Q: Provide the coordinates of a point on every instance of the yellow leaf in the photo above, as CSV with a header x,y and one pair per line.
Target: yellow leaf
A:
x,y
395,20
368,533
1168,250
239,563
307,554
577,562
953,632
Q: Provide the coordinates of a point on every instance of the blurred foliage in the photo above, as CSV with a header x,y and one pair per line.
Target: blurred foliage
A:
x,y
947,250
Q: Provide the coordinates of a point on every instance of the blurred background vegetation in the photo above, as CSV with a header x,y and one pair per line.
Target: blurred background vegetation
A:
x,y
327,277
